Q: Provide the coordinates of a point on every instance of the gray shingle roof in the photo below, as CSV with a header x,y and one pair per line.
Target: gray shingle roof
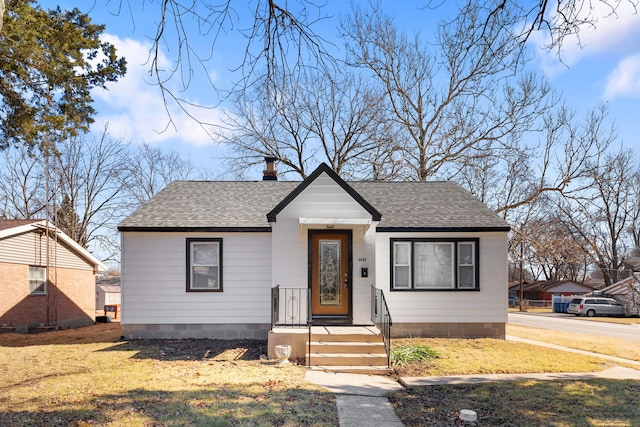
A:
x,y
441,204
5,224
219,205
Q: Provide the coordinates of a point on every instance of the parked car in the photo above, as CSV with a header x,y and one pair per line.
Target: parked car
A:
x,y
593,306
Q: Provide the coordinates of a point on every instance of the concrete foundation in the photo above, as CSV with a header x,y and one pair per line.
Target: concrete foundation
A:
x,y
196,331
449,330
295,337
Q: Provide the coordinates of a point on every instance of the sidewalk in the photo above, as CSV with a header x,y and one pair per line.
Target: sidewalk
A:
x,y
361,399
573,350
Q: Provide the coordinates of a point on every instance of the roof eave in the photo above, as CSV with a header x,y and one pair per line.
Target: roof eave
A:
x,y
442,229
375,215
171,229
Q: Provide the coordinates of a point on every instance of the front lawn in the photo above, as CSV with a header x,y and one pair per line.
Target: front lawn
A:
x,y
87,377
588,403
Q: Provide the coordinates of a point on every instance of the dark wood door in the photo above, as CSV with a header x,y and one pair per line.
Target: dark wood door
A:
x,y
330,278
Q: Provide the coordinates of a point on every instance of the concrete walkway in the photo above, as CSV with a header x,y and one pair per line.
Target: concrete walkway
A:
x,y
361,399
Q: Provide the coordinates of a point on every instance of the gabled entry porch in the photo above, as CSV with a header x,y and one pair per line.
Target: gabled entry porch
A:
x,y
340,348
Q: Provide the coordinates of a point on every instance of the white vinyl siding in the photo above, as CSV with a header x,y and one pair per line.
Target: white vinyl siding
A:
x,y
154,272
487,304
325,200
31,248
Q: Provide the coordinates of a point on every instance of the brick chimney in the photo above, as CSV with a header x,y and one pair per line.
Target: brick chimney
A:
x,y
270,173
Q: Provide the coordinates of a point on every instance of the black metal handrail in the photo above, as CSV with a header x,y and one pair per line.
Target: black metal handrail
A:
x,y
275,305
289,307
381,317
309,321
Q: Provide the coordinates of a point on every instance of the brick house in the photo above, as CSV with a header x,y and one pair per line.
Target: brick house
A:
x,y
39,290
545,290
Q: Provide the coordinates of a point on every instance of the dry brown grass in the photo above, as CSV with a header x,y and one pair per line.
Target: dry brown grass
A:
x,y
493,356
86,377
593,403
621,320
589,403
597,344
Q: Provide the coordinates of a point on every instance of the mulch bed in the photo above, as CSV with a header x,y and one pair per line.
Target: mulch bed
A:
x,y
197,349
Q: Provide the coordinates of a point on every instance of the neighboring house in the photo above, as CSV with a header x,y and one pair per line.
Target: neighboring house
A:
x,y
233,259
39,290
545,290
626,292
631,264
107,292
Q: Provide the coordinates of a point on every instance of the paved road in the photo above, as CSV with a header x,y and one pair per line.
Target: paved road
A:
x,y
568,323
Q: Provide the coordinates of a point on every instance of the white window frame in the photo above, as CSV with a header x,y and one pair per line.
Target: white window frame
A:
x,y
41,282
471,264
396,265
192,244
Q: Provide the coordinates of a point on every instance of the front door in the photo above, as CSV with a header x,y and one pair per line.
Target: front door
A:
x,y
330,279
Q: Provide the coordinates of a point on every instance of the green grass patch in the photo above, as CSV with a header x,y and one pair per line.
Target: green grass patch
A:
x,y
402,355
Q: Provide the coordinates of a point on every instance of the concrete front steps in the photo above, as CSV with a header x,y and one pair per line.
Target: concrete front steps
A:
x,y
352,349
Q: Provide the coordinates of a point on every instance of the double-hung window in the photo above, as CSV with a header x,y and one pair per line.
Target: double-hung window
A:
x,y
37,280
434,264
204,265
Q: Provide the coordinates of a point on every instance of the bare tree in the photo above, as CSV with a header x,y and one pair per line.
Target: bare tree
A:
x,y
554,251
89,177
519,176
270,126
458,100
22,184
150,170
280,41
349,121
284,38
600,215
331,118
564,18
634,227
1,13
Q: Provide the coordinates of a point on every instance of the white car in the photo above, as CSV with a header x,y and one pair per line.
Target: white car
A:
x,y
595,306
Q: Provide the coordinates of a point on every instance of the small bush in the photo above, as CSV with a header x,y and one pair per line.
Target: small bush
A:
x,y
402,355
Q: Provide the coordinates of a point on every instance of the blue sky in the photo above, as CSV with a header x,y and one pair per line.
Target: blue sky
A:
x,y
605,69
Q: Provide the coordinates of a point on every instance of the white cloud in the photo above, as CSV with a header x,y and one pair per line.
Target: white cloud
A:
x,y
134,108
613,33
624,80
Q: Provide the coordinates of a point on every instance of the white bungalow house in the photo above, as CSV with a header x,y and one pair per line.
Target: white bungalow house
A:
x,y
243,259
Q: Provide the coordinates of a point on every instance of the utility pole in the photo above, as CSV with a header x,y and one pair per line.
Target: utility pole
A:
x,y
522,276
